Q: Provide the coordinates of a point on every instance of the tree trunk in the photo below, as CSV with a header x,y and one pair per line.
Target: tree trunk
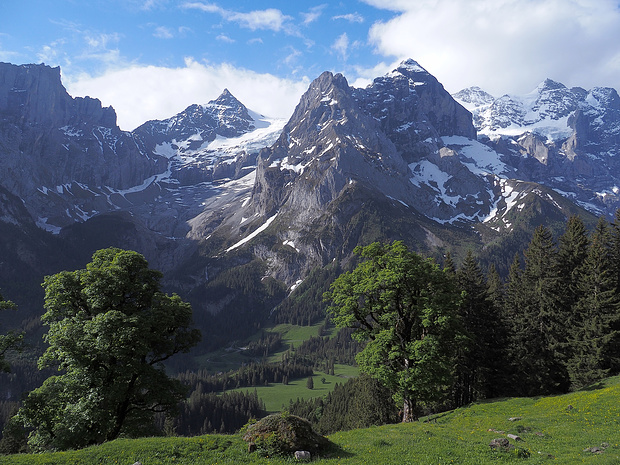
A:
x,y
409,411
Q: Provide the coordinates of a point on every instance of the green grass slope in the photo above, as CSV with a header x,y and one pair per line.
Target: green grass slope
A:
x,y
560,429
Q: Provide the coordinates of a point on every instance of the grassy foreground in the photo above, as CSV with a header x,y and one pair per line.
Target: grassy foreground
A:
x,y
559,429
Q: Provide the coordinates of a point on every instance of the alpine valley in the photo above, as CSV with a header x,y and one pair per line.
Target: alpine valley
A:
x,y
247,216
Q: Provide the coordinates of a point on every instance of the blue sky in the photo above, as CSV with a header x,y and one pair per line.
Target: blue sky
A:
x,y
152,58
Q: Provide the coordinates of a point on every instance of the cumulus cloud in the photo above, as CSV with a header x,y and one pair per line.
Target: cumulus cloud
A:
x,y
505,46
269,19
139,93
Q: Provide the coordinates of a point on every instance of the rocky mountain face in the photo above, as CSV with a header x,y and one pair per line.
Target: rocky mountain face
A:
x,y
402,145
238,209
566,139
65,158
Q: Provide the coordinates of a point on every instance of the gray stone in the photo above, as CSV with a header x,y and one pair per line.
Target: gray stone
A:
x,y
302,455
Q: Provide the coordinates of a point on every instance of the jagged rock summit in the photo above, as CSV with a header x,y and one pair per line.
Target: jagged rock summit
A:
x,y
225,117
564,138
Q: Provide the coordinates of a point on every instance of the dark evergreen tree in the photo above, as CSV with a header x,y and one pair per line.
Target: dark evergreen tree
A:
x,y
614,344
477,356
359,403
615,250
596,313
9,341
500,334
536,326
448,264
572,252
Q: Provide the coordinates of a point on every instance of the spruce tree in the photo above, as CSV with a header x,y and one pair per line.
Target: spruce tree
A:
x,y
476,357
513,315
615,250
572,252
537,326
597,310
499,335
448,264
614,345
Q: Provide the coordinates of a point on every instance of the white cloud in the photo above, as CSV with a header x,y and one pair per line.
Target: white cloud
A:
x,y
351,17
341,45
505,46
140,93
293,55
162,32
51,53
101,41
313,15
225,38
269,19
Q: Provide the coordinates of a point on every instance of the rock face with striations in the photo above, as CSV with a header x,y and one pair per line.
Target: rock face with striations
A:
x,y
339,135
62,156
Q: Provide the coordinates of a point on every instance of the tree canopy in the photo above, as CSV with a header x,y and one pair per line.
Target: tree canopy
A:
x,y
110,329
404,307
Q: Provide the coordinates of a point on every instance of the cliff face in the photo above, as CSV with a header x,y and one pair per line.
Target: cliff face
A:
x,y
56,149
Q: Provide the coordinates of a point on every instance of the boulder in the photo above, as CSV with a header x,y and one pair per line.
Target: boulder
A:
x,y
502,444
302,455
283,434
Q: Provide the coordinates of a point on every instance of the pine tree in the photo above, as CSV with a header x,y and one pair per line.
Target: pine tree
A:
x,y
572,253
476,357
499,335
614,345
448,264
597,310
615,250
535,323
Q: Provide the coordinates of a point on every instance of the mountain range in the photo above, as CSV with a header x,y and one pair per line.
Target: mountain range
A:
x,y
240,210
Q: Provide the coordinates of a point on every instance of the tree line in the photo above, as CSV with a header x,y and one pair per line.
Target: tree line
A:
x,y
442,337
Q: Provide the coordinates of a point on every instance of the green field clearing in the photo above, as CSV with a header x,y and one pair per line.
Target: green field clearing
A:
x,y
277,396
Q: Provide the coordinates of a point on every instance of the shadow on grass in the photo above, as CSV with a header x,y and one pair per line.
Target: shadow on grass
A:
x,y
334,450
594,387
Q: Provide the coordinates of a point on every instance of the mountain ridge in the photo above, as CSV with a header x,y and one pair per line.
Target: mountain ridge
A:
x,y
219,190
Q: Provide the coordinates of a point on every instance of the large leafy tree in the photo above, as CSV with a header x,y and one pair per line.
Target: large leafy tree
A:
x,y
404,307
110,330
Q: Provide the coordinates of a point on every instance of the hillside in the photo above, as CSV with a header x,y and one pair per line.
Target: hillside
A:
x,y
580,427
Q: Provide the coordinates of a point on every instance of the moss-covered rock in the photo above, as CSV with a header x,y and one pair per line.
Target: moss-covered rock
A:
x,y
283,434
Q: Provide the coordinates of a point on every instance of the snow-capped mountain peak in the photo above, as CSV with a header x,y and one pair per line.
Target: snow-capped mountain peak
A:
x,y
473,98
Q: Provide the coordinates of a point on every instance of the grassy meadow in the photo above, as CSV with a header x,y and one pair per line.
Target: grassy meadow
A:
x,y
559,429
276,396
